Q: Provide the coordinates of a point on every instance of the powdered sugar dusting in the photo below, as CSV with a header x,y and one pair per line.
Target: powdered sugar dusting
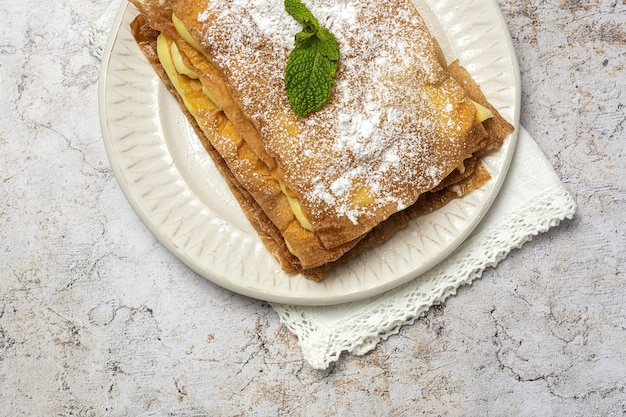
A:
x,y
203,17
374,136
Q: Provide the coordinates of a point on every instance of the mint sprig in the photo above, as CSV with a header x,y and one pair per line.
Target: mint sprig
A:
x,y
312,64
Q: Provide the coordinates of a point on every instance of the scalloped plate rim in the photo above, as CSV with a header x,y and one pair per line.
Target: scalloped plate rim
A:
x,y
273,294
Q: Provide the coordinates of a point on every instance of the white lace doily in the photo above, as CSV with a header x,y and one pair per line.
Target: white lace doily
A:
x,y
532,200
98,32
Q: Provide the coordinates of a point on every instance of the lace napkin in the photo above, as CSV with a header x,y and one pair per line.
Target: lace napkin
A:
x,y
531,201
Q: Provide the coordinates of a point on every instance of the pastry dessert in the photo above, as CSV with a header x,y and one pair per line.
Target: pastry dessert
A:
x,y
400,135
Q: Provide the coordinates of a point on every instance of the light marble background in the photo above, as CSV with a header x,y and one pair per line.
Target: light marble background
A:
x,y
98,319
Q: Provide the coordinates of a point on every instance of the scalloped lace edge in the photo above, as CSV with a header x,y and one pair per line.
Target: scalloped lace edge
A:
x,y
98,32
361,332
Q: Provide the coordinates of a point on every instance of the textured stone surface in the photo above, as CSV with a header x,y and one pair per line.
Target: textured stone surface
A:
x,y
98,319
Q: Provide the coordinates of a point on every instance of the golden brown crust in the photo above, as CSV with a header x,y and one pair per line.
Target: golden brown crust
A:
x,y
329,158
253,180
268,233
497,127
275,222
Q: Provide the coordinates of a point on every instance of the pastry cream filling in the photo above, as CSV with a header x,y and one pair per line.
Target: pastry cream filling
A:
x,y
461,166
184,33
294,203
179,64
482,112
181,68
296,208
191,101
195,98
289,248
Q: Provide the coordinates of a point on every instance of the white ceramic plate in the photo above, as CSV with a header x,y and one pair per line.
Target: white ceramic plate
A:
x,y
171,182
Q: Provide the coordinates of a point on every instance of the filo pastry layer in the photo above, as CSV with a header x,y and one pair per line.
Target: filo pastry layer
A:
x,y
399,136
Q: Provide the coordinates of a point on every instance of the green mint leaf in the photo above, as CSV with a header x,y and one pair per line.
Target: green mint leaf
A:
x,y
303,37
312,64
328,44
309,76
301,13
